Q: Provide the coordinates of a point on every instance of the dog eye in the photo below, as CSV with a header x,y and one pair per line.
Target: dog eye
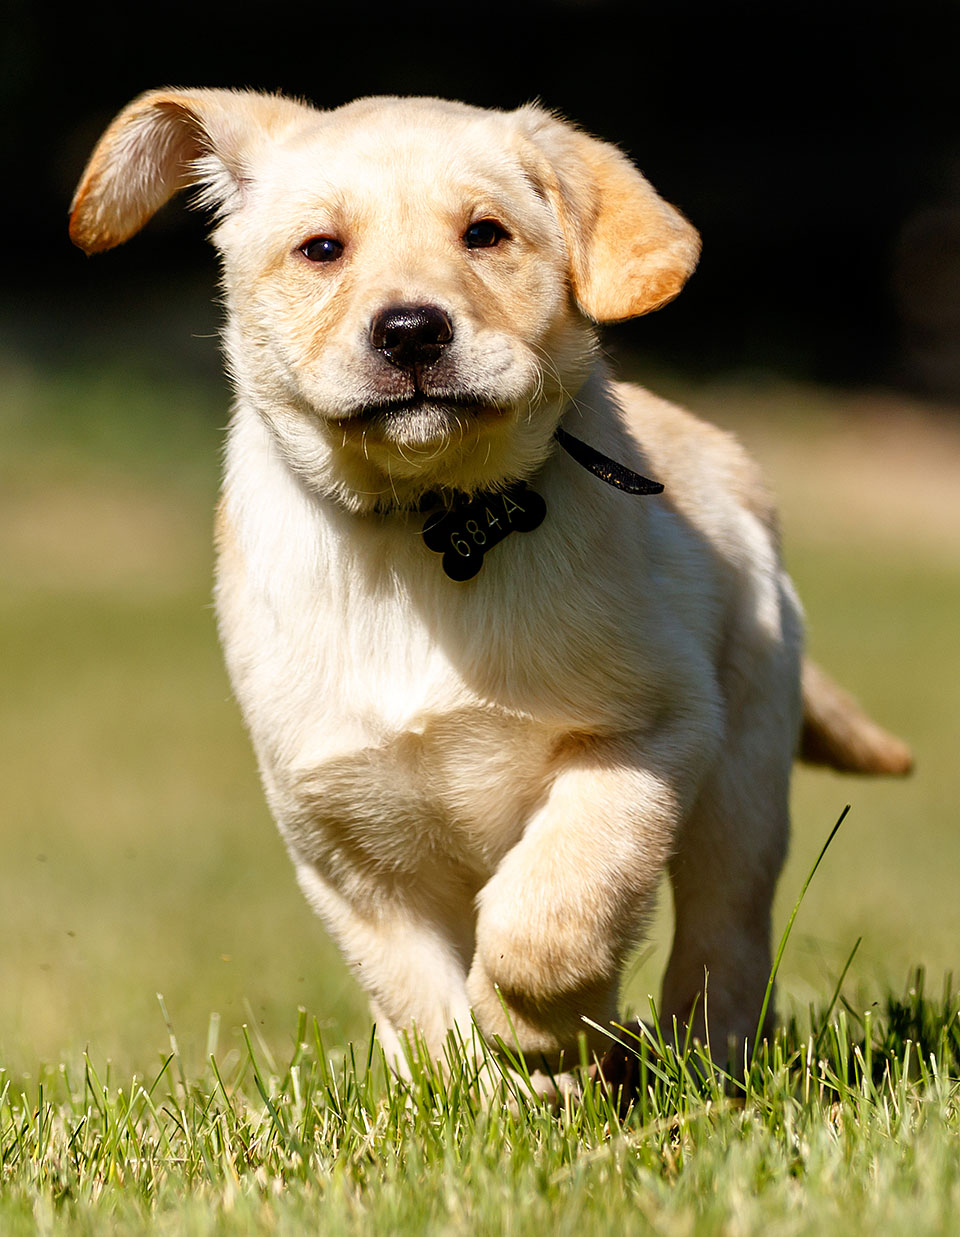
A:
x,y
322,249
484,234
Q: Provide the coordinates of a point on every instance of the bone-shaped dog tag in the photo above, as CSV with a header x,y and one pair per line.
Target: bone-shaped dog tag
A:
x,y
472,526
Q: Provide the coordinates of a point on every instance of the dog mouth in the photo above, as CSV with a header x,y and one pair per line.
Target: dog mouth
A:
x,y
421,418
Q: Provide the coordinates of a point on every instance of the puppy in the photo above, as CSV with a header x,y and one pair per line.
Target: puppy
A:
x,y
496,682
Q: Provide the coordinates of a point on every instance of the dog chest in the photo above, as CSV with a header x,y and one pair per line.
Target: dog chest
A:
x,y
456,791
372,733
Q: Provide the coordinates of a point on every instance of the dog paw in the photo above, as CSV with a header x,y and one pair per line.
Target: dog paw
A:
x,y
539,971
546,1026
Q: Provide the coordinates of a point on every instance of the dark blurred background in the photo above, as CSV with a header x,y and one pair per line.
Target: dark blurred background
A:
x,y
818,151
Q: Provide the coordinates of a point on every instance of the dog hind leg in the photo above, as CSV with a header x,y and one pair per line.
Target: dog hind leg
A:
x,y
723,877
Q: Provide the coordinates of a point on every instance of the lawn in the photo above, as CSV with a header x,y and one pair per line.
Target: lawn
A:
x,y
138,858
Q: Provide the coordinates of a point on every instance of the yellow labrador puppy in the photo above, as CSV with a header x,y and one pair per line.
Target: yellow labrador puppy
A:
x,y
497,682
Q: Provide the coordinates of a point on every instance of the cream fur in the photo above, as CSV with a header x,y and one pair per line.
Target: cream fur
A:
x,y
480,783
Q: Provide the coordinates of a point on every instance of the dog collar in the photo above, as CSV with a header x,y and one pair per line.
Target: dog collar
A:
x,y
464,529
617,475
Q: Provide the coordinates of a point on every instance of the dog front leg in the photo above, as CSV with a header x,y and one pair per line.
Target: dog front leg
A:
x,y
410,963
414,970
557,919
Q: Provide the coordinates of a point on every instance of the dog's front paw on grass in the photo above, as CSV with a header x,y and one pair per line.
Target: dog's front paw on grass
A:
x,y
544,1024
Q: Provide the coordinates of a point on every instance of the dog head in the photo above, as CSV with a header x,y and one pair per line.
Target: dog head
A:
x,y
411,284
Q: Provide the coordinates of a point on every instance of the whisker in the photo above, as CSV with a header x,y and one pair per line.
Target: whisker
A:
x,y
396,496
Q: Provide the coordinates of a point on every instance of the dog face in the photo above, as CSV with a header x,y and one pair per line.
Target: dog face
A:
x,y
406,304
411,284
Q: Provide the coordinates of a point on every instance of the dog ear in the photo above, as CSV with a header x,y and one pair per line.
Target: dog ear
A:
x,y
162,142
630,251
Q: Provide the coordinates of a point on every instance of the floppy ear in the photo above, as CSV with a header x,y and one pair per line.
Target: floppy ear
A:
x,y
160,143
630,251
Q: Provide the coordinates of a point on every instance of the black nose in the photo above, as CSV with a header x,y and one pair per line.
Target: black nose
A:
x,y
411,335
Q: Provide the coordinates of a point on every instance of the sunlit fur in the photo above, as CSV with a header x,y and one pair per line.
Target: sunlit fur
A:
x,y
481,784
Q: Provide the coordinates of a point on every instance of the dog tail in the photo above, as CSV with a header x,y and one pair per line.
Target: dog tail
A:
x,y
838,733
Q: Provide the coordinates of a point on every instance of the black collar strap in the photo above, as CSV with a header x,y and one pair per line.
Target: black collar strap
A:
x,y
617,475
465,528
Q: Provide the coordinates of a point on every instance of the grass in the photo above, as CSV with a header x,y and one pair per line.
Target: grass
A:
x,y
137,856
852,1123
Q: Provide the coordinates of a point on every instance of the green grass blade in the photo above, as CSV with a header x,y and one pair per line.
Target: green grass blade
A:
x,y
786,936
